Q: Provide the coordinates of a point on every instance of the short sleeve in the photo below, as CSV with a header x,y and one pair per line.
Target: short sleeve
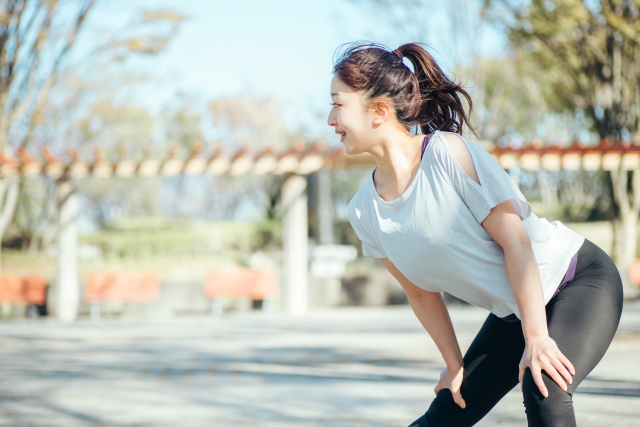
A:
x,y
357,220
496,186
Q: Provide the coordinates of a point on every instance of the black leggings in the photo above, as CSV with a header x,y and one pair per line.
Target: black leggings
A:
x,y
582,319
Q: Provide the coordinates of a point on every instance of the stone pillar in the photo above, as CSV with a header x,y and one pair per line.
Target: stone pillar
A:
x,y
295,240
325,208
331,285
66,253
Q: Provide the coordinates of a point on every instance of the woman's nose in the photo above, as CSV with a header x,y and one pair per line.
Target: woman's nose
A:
x,y
330,119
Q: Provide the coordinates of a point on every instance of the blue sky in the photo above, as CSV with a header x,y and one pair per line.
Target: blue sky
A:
x,y
277,48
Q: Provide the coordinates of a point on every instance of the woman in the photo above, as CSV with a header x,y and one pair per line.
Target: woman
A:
x,y
443,216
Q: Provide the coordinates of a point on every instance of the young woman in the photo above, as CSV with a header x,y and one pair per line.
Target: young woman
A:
x,y
443,216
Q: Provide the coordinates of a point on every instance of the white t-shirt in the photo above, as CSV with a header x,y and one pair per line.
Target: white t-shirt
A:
x,y
433,234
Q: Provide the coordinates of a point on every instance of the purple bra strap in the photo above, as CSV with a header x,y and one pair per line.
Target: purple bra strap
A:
x,y
425,142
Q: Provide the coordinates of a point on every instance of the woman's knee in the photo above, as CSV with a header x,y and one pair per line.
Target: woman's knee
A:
x,y
554,410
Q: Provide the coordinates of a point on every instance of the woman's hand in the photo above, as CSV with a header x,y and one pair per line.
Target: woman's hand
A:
x,y
452,379
542,353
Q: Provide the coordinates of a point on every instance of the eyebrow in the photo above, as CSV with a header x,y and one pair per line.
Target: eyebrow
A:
x,y
334,93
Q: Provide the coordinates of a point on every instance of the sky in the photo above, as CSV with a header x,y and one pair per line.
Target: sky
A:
x,y
282,49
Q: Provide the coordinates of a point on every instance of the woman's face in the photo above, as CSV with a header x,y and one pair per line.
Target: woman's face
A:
x,y
349,117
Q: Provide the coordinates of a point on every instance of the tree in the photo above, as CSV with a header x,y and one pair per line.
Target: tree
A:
x,y
512,103
259,121
590,55
572,71
249,119
35,38
509,105
46,87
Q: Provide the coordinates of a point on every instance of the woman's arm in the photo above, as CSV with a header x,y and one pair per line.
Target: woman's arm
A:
x,y
432,313
505,227
541,353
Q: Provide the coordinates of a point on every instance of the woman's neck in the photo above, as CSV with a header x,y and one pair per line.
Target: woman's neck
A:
x,y
397,159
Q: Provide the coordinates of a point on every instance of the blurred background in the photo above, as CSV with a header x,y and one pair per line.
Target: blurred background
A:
x,y
150,150
175,248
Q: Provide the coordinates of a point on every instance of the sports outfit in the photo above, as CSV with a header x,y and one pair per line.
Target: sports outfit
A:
x,y
433,234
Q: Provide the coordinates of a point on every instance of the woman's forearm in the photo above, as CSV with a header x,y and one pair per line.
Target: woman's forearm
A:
x,y
505,227
527,288
432,313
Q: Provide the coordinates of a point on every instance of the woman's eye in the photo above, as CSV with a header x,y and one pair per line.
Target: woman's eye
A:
x,y
333,104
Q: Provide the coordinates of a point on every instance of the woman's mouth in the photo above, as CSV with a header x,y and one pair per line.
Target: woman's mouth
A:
x,y
342,135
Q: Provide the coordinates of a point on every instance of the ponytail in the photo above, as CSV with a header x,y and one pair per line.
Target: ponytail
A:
x,y
439,96
425,97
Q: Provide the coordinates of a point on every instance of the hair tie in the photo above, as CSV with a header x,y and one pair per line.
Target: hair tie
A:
x,y
397,53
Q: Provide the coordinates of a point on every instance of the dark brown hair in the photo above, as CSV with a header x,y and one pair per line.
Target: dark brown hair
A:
x,y
425,97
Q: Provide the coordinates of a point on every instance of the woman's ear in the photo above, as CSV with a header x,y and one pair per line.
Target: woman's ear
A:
x,y
381,111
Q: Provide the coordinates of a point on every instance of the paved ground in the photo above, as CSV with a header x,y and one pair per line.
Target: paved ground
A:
x,y
347,367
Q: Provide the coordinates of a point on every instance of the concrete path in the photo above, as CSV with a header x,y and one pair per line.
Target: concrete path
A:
x,y
345,367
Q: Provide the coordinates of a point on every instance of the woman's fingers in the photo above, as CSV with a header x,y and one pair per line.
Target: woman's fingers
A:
x,y
521,375
555,375
543,354
562,370
567,363
536,373
437,388
457,397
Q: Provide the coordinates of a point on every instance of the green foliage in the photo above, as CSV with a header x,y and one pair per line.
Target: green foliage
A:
x,y
56,95
586,52
568,196
33,209
111,126
511,104
130,196
513,101
183,124
141,237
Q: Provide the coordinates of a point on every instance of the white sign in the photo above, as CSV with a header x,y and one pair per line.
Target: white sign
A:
x,y
331,260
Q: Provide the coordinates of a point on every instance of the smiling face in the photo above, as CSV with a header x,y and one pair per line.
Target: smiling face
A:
x,y
350,117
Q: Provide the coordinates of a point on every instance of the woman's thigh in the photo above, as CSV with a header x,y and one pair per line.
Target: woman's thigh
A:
x,y
490,372
582,319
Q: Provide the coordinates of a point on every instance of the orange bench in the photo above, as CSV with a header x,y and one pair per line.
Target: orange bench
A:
x,y
634,273
31,291
241,283
123,287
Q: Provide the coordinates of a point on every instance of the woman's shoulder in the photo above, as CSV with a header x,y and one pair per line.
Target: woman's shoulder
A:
x,y
455,152
451,143
448,152
441,145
